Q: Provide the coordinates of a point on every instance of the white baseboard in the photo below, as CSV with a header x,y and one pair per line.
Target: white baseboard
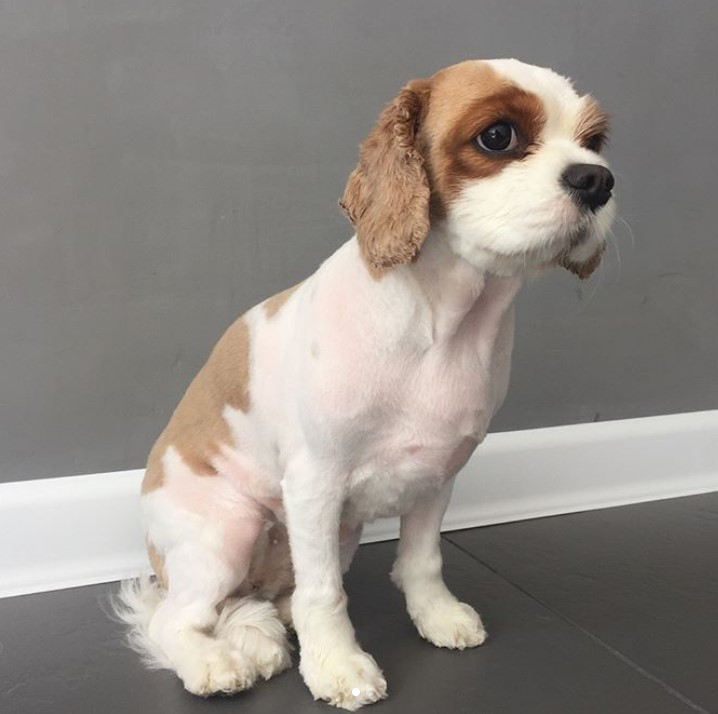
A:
x,y
65,532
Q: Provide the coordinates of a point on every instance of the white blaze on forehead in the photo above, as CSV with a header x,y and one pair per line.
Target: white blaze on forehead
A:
x,y
540,80
561,101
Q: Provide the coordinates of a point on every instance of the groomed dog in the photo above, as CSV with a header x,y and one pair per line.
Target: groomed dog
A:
x,y
362,391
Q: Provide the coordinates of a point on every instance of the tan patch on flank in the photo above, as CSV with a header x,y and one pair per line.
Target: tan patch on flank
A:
x,y
197,429
158,565
465,100
592,125
274,304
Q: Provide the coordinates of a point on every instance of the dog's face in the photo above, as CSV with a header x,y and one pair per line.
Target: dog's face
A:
x,y
502,156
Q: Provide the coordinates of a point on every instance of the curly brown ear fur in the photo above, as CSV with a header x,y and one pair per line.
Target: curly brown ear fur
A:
x,y
387,194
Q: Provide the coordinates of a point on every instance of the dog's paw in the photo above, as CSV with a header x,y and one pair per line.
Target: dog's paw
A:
x,y
253,630
271,659
217,670
451,624
347,679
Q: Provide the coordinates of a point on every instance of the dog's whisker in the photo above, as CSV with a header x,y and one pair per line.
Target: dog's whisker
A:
x,y
613,242
599,282
631,233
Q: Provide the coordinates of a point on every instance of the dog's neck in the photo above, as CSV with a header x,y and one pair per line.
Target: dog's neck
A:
x,y
460,295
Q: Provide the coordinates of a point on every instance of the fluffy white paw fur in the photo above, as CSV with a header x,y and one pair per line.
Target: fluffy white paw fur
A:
x,y
344,679
253,628
247,641
217,669
451,624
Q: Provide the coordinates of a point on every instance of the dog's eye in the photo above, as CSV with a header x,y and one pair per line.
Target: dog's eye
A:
x,y
498,137
595,142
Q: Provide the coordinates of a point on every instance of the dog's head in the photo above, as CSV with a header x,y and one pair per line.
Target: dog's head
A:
x,y
504,157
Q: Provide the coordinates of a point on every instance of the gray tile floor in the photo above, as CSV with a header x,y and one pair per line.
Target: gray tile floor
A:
x,y
608,612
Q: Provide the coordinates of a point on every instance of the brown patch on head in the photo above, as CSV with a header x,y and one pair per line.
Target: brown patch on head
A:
x,y
197,429
157,562
387,194
466,99
274,304
592,125
422,150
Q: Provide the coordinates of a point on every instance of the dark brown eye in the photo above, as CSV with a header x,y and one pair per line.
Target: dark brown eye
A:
x,y
595,142
497,138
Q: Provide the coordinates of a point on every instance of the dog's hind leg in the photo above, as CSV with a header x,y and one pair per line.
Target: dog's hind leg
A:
x,y
202,542
183,624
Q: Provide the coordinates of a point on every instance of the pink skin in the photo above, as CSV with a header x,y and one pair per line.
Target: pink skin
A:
x,y
423,404
226,502
431,388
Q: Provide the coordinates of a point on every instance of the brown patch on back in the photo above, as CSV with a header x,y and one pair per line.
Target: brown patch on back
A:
x,y
592,125
197,429
465,100
274,304
158,565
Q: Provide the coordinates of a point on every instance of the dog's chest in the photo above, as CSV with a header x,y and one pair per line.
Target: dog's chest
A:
x,y
400,397
390,483
430,425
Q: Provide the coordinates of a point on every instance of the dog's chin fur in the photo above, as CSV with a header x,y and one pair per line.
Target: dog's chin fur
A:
x,y
582,247
518,222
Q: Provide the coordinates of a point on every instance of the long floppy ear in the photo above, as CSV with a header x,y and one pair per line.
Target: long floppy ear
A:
x,y
586,268
387,194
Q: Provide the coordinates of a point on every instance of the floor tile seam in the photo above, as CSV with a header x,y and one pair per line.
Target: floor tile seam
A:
x,y
587,633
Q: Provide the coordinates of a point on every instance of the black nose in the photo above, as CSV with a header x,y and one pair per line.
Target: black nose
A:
x,y
589,184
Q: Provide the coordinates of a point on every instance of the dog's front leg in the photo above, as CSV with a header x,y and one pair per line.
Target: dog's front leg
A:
x,y
439,617
333,665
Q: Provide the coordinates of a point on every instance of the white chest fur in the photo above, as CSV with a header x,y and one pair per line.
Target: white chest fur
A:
x,y
389,385
406,407
439,414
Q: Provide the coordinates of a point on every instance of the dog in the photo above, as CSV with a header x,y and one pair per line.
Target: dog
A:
x,y
362,391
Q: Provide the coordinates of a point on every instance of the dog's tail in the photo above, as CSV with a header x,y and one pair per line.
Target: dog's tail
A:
x,y
253,623
134,605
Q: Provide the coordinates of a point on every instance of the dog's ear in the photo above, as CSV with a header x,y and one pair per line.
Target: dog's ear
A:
x,y
387,194
585,268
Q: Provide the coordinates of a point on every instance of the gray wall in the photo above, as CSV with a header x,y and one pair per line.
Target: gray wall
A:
x,y
165,164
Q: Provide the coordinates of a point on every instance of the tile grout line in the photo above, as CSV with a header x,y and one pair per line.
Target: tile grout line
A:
x,y
616,653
